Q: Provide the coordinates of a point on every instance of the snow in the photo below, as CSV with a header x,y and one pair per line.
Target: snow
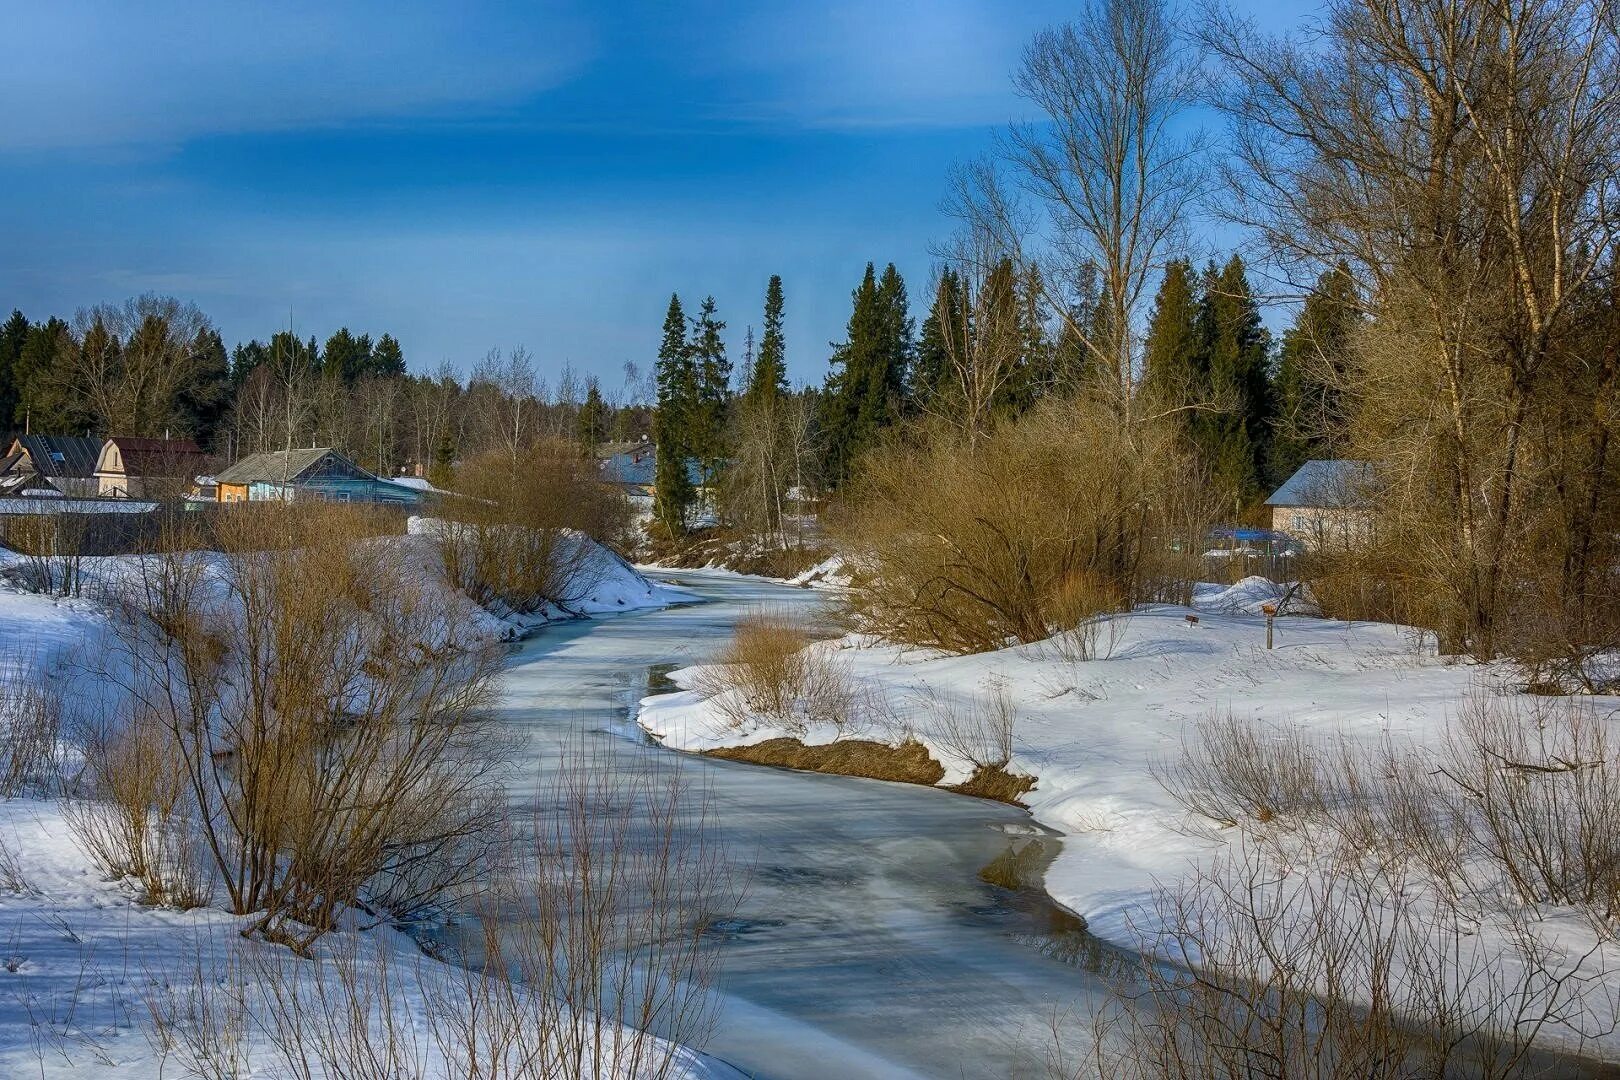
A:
x,y
1091,731
84,967
83,964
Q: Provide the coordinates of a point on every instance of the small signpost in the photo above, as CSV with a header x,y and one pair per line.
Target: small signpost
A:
x,y
1271,618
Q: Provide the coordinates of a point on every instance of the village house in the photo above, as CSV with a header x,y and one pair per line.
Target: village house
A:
x,y
137,468
60,464
308,473
1324,504
634,468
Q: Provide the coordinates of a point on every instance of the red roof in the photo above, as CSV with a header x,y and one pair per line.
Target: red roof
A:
x,y
158,457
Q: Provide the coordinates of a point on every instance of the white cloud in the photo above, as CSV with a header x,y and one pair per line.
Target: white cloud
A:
x,y
916,62
109,73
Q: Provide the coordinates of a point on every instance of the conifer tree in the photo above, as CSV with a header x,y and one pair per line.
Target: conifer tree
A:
x,y
932,359
44,403
677,393
1310,373
712,405
864,392
1235,441
206,396
767,376
13,335
387,358
592,422
1175,362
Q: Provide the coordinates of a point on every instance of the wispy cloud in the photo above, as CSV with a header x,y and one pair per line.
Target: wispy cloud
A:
x,y
111,74
852,64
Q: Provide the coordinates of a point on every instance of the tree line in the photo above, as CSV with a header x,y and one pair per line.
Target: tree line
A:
x,y
156,366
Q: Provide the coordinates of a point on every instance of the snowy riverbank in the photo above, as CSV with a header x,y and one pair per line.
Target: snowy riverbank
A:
x,y
1093,732
95,982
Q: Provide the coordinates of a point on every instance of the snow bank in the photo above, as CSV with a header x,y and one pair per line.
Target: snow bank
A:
x,y
86,966
1091,731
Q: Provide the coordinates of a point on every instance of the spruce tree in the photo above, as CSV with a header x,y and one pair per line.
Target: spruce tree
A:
x,y
677,393
768,376
206,395
931,364
592,422
1235,442
44,403
13,335
344,358
387,358
1311,416
712,405
1175,363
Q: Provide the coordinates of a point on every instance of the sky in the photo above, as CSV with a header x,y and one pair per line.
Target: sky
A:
x,y
474,175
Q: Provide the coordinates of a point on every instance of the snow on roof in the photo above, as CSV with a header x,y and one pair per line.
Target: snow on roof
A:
x,y
1335,483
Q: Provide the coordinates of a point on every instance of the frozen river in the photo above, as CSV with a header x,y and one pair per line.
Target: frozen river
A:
x,y
870,946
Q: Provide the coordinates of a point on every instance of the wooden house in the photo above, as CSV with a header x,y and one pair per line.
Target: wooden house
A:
x,y
63,464
136,468
307,473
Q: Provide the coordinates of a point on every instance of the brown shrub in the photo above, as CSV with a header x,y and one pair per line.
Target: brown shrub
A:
x,y
965,546
512,538
773,668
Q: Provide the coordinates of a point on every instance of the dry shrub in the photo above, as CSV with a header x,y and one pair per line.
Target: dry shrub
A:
x,y
624,886
513,537
30,731
1334,975
774,668
1083,614
135,820
327,715
203,1021
52,548
12,878
965,546
1238,772
978,730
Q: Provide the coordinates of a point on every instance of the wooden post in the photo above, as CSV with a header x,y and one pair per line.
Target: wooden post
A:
x,y
1271,618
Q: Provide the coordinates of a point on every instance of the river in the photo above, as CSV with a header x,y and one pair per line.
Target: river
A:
x,y
867,944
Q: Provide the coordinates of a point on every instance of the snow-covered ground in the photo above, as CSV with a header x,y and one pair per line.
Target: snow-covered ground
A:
x,y
88,974
1092,731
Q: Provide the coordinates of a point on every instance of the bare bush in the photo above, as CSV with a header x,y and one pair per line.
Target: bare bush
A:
x,y
1083,614
1331,975
978,730
966,547
515,537
30,731
327,715
136,818
52,549
1236,772
773,667
12,878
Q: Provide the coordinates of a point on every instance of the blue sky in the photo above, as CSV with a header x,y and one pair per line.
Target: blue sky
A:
x,y
469,175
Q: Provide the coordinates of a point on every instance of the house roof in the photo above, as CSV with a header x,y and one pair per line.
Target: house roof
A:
x,y
61,455
639,468
1332,483
280,466
163,458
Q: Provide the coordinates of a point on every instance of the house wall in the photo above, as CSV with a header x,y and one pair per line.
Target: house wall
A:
x,y
228,493
1322,526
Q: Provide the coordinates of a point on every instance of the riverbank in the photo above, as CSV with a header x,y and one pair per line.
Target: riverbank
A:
x,y
94,980
1096,733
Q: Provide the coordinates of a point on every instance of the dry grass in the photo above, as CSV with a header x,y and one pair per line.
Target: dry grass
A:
x,y
1240,772
908,763
30,731
773,668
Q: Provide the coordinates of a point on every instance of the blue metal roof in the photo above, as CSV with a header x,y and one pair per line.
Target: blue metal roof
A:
x,y
1334,483
639,468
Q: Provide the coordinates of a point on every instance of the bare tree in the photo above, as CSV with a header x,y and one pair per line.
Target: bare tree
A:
x,y
1109,173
